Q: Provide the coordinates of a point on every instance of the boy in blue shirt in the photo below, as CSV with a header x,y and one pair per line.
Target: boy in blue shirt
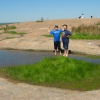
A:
x,y
65,39
56,34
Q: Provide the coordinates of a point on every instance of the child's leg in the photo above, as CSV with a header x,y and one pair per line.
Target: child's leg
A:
x,y
66,49
66,53
67,44
55,52
60,53
55,47
59,47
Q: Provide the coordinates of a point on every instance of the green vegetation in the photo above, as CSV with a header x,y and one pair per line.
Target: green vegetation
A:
x,y
9,37
98,23
58,72
39,21
11,27
14,32
48,35
7,28
85,36
79,36
86,32
10,30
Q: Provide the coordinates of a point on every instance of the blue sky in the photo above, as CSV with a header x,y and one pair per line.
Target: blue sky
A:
x,y
31,10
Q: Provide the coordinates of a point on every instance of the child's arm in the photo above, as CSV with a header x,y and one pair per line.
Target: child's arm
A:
x,y
68,36
49,29
62,28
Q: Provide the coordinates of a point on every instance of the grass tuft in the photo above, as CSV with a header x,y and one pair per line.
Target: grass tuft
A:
x,y
58,72
86,32
14,32
98,23
9,27
39,21
9,38
47,35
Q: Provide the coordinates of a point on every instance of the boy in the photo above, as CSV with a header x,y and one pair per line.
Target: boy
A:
x,y
56,34
65,39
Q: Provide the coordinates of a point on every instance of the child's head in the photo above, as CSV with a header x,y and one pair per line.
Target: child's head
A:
x,y
56,27
64,26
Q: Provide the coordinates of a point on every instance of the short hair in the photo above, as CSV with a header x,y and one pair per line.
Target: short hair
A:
x,y
56,26
65,25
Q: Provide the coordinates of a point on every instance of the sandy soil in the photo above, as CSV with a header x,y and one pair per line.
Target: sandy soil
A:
x,y
22,91
46,44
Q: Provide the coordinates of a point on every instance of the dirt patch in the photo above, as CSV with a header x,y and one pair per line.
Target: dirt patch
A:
x,y
22,91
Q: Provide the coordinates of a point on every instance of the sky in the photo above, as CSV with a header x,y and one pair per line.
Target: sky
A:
x,y
32,10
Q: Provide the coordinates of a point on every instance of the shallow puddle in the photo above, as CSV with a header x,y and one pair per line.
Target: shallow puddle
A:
x,y
15,57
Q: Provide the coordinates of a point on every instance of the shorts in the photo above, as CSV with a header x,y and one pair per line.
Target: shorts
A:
x,y
57,45
65,45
